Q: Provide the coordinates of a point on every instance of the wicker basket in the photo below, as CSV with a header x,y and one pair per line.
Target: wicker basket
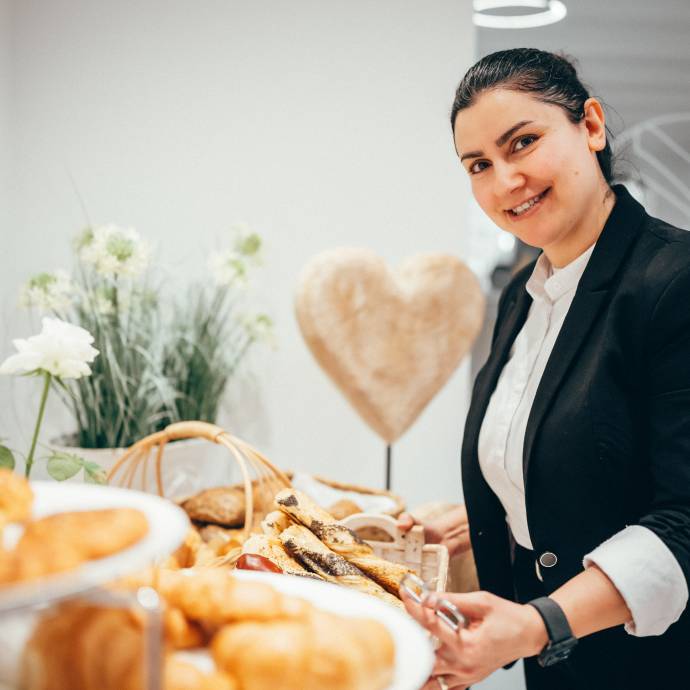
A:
x,y
429,561
399,504
142,463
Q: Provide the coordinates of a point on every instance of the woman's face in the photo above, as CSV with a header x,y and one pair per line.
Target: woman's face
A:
x,y
533,171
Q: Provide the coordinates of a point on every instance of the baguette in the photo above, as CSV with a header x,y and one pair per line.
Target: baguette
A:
x,y
341,540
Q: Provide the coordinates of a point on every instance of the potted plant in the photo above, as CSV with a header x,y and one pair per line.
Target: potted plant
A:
x,y
162,359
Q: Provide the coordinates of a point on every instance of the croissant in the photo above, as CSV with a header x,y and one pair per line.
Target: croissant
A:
x,y
340,539
314,555
317,651
83,647
62,541
181,675
213,597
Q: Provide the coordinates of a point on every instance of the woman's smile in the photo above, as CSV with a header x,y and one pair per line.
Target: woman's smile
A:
x,y
528,207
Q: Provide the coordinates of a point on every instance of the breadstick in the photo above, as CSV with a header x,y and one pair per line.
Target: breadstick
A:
x,y
314,555
273,549
275,522
340,539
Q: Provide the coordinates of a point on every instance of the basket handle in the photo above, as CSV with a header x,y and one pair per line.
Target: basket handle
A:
x,y
412,541
180,430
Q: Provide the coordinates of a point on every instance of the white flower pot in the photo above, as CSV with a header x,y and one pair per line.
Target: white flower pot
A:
x,y
188,466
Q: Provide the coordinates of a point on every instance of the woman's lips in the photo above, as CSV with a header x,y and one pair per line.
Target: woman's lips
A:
x,y
532,209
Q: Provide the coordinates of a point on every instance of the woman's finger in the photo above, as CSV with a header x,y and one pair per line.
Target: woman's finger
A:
x,y
424,616
475,605
406,522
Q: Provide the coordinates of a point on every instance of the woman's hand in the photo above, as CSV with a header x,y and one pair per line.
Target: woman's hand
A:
x,y
498,632
450,529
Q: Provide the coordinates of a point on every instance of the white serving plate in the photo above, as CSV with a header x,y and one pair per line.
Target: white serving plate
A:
x,y
414,656
168,525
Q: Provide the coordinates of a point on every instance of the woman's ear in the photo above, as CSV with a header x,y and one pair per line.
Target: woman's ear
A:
x,y
595,122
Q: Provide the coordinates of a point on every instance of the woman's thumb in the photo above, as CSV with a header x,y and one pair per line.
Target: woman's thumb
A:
x,y
406,522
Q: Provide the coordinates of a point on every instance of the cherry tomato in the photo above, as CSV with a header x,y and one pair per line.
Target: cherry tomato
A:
x,y
252,561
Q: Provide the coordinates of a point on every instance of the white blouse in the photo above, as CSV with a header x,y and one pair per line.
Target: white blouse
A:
x,y
640,565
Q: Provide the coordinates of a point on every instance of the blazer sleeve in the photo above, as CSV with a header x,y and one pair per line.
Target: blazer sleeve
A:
x,y
668,353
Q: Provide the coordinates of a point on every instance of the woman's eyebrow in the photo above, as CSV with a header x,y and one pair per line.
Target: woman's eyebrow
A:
x,y
500,141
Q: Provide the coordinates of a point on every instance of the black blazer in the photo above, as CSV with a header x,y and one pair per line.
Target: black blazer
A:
x,y
608,438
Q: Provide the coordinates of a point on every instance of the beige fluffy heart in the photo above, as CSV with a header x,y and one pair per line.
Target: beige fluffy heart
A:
x,y
388,339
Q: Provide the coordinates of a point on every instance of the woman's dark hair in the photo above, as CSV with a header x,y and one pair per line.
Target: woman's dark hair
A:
x,y
548,77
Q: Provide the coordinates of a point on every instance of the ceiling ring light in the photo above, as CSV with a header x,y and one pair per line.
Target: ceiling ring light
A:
x,y
549,12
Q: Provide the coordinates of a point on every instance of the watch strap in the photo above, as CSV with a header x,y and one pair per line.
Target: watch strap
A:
x,y
561,639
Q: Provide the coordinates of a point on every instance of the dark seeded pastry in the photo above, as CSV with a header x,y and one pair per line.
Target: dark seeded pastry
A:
x,y
306,548
340,539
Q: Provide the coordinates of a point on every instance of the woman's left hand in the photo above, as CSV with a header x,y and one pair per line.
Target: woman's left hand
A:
x,y
498,632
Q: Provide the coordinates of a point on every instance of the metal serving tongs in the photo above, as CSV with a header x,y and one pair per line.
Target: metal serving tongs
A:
x,y
448,612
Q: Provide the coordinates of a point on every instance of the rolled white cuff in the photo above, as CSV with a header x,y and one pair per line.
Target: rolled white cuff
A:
x,y
647,575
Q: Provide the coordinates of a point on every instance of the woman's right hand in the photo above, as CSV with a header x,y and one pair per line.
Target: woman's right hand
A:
x,y
450,529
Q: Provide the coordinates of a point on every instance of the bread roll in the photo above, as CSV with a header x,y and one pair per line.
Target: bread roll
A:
x,y
223,505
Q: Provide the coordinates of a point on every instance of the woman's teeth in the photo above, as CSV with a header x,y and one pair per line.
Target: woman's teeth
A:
x,y
519,210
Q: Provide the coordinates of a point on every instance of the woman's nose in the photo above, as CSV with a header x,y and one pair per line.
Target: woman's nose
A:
x,y
507,178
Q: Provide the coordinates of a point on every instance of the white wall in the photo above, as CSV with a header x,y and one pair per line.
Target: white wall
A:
x,y
321,124
5,148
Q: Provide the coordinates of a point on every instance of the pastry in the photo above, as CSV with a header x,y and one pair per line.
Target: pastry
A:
x,y
273,549
342,509
223,505
275,522
181,675
84,647
62,541
340,539
304,546
318,651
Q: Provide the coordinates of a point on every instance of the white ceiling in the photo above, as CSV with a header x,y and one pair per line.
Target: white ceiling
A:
x,y
633,54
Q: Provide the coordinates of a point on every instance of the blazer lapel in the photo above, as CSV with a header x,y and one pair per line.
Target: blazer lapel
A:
x,y
615,241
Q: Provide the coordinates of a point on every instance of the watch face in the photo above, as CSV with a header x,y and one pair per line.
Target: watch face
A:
x,y
557,651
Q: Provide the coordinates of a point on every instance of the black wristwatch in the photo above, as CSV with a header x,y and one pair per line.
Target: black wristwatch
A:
x,y
561,640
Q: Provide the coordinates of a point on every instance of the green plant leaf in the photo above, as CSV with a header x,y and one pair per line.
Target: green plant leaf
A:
x,y
94,473
62,466
6,458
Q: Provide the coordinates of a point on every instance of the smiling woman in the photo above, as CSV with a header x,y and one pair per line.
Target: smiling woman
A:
x,y
531,153
575,452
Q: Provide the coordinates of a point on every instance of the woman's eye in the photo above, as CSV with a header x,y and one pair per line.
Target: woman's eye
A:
x,y
478,166
524,142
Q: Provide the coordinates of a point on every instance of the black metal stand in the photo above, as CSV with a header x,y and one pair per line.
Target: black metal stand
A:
x,y
388,467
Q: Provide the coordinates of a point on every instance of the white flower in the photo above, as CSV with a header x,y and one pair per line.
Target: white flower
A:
x,y
260,327
60,349
48,291
115,251
246,241
231,266
103,305
228,268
